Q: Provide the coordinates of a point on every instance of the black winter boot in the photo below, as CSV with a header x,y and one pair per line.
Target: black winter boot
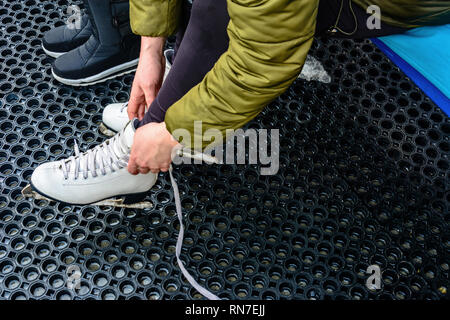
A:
x,y
61,40
111,51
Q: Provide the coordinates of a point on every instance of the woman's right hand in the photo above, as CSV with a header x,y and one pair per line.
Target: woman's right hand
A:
x,y
148,78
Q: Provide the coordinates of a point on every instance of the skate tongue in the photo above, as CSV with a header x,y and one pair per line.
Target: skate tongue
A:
x,y
126,137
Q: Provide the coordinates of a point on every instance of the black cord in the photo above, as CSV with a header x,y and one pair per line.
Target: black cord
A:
x,y
335,28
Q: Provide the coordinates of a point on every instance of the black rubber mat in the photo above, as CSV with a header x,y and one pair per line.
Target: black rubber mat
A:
x,y
363,180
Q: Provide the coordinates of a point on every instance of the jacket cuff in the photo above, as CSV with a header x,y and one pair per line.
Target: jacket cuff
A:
x,y
154,18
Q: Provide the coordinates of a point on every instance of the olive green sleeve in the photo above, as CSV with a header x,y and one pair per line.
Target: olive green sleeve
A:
x,y
410,13
269,42
154,18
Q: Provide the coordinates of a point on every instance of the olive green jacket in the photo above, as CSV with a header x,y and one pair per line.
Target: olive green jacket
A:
x,y
269,42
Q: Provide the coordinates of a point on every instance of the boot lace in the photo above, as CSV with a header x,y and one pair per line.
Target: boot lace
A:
x,y
99,158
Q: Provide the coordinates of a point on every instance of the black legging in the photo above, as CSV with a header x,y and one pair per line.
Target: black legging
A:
x,y
202,39
197,49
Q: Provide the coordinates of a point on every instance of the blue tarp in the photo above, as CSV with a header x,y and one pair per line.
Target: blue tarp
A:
x,y
424,55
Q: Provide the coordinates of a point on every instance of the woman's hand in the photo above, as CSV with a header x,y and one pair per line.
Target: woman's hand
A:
x,y
152,149
148,78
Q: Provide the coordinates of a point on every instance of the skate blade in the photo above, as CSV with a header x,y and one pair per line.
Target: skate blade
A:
x,y
118,203
105,131
28,192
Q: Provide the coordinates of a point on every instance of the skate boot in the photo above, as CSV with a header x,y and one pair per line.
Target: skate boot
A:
x,y
63,39
115,115
111,51
101,173
94,177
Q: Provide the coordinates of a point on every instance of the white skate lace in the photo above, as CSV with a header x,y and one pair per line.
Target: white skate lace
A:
x,y
98,158
205,292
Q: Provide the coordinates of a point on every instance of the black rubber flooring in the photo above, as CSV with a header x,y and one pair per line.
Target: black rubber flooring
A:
x,y
363,180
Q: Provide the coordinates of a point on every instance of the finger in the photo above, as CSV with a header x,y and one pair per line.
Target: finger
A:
x,y
131,113
153,170
131,104
133,170
132,167
141,112
143,170
165,167
149,96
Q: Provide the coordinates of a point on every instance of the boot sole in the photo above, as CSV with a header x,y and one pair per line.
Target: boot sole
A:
x,y
52,53
131,198
111,73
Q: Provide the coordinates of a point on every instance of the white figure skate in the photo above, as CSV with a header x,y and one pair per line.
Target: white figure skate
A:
x,y
101,173
94,177
115,115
